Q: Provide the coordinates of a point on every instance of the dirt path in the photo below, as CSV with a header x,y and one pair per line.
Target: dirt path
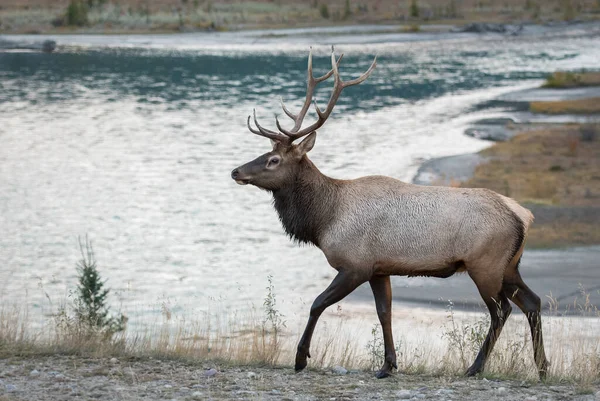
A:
x,y
77,378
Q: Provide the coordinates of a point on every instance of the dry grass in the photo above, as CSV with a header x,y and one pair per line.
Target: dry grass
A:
x,y
561,79
554,171
578,106
571,343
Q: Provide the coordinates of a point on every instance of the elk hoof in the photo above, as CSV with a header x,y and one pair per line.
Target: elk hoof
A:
x,y
472,371
382,374
386,370
301,361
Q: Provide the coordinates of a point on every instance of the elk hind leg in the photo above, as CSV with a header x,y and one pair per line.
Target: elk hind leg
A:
x,y
382,291
518,292
499,307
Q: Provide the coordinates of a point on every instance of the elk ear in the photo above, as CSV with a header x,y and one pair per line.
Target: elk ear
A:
x,y
307,144
274,143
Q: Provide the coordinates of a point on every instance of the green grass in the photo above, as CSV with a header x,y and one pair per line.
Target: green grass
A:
x,y
562,79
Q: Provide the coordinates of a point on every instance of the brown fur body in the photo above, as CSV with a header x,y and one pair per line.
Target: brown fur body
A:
x,y
373,227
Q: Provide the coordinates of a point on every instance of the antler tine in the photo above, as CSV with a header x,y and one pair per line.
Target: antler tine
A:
x,y
326,76
280,128
277,136
288,136
287,111
338,87
310,88
363,76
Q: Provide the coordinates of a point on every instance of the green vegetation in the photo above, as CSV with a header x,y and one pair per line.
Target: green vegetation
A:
x,y
414,9
91,309
347,10
562,79
412,28
88,317
324,10
77,13
556,173
272,326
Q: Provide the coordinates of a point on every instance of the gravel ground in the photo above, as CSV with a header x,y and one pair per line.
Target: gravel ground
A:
x,y
78,378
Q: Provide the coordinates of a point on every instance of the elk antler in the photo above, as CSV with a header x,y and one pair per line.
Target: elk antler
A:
x,y
288,136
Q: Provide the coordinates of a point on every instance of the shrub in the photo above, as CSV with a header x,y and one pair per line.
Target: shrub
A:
x,y
91,314
414,9
412,28
324,10
77,13
347,10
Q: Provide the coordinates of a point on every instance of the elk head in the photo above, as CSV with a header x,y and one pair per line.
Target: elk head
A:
x,y
275,169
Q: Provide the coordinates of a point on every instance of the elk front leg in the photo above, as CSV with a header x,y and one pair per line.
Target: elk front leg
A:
x,y
343,284
382,291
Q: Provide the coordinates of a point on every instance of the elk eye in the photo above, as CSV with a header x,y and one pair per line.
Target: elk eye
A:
x,y
273,162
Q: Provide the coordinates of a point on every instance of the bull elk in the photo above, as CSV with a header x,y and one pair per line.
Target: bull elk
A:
x,y
372,227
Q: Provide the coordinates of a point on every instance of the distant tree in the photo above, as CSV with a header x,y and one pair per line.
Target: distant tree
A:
x,y
414,9
324,10
91,307
77,13
451,10
347,10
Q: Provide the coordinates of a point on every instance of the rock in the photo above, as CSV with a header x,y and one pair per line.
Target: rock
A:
x,y
448,170
339,370
197,395
495,133
251,375
482,27
10,388
532,398
34,373
114,360
275,391
420,396
210,372
404,394
168,386
48,46
501,389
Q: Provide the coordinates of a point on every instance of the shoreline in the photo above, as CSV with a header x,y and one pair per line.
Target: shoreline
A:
x,y
325,34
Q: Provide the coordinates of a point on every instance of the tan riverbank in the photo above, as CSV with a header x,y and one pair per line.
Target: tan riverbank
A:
x,y
139,16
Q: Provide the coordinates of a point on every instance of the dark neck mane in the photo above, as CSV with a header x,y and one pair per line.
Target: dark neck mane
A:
x,y
306,206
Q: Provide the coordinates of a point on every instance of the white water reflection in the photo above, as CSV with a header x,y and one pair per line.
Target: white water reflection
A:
x,y
149,181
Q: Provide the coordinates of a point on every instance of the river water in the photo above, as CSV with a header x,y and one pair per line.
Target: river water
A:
x,y
131,140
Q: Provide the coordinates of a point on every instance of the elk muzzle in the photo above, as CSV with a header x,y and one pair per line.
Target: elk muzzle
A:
x,y
238,177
